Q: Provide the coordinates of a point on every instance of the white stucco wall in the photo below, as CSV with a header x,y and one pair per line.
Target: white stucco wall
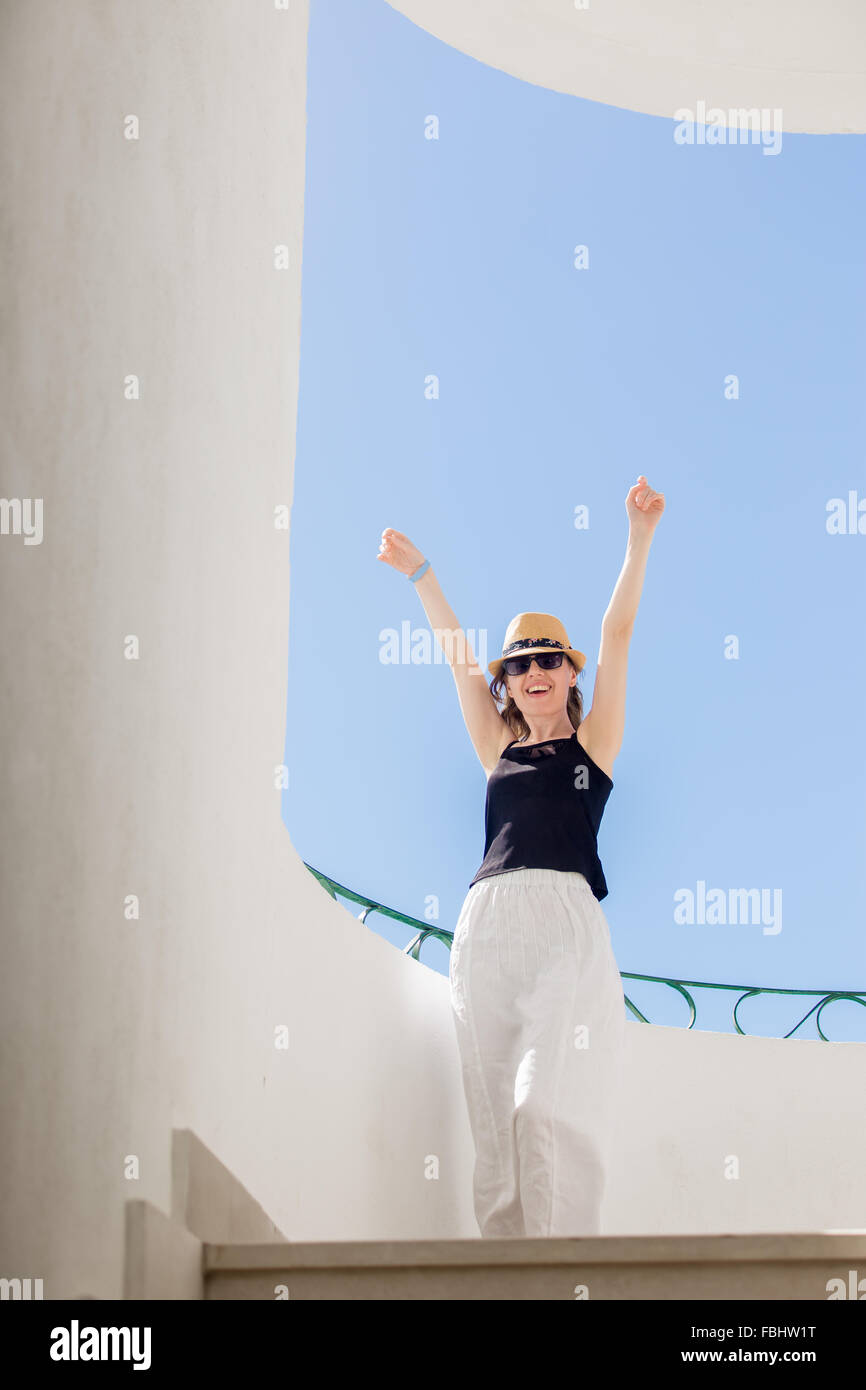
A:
x,y
155,776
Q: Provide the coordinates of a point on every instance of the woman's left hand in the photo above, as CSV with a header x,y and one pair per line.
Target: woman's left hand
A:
x,y
644,507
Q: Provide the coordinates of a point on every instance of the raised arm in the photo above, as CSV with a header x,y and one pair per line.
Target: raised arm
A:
x,y
485,725
604,725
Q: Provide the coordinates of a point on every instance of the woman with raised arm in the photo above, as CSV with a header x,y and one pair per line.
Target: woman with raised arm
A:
x,y
536,992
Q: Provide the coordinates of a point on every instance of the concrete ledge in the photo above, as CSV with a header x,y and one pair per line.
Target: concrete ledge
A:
x,y
161,1259
207,1198
163,1254
767,1266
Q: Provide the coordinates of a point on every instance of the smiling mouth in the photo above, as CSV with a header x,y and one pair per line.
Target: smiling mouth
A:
x,y
538,693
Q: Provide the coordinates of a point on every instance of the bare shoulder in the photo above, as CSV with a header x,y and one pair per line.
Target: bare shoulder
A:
x,y
584,738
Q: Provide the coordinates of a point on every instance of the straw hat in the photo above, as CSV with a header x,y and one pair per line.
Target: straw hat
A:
x,y
528,633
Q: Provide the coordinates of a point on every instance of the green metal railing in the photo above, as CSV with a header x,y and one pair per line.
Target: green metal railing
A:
x,y
423,931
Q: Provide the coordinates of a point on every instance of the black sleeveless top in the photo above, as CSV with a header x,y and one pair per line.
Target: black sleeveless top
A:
x,y
544,806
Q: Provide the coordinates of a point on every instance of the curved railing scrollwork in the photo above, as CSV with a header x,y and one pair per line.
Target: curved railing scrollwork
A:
x,y
424,931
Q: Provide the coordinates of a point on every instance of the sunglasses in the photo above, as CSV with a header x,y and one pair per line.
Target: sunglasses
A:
x,y
519,665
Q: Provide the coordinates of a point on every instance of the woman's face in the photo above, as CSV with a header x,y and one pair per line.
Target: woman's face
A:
x,y
556,685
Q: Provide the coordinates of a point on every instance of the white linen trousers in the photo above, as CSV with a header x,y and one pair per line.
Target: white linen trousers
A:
x,y
539,1010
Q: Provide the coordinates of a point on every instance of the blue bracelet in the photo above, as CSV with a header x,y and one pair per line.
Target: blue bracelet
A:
x,y
420,571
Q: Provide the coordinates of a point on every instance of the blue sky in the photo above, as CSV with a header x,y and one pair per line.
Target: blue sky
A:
x,y
454,257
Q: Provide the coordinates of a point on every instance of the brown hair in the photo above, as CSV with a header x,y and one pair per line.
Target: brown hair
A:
x,y
512,715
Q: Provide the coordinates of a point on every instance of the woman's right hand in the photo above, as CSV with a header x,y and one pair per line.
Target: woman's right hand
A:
x,y
397,550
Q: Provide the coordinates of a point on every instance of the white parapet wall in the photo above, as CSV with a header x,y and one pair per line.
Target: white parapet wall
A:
x,y
724,1134
168,962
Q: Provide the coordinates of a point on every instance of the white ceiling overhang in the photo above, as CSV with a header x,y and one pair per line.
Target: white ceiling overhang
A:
x,y
806,59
